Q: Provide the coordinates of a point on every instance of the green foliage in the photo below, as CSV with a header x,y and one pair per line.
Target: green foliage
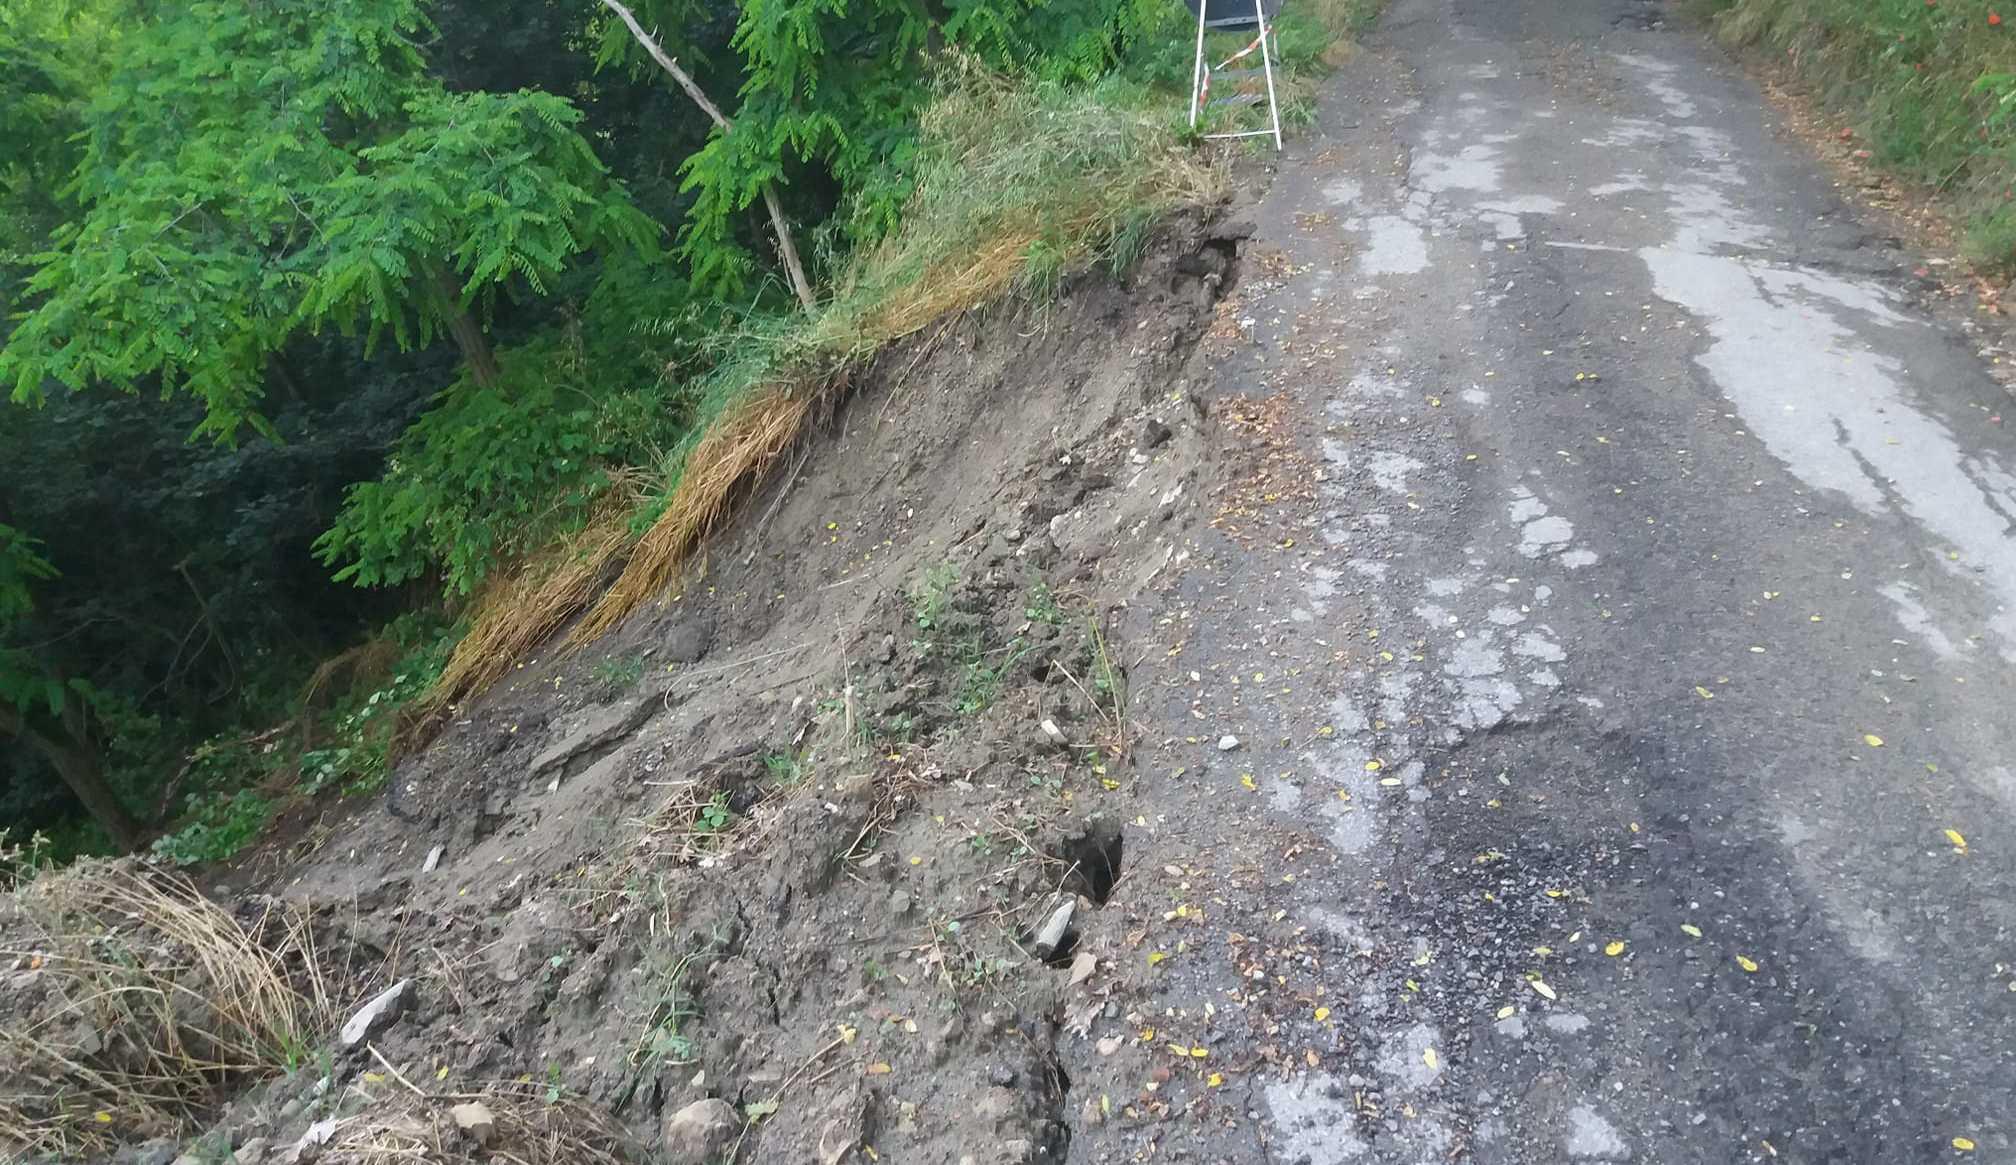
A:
x,y
933,594
617,674
218,827
1933,86
250,173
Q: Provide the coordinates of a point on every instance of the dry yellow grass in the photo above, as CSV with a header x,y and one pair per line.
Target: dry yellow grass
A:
x,y
144,999
523,608
746,440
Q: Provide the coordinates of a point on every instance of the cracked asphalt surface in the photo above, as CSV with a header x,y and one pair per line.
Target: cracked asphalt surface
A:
x,y
1613,596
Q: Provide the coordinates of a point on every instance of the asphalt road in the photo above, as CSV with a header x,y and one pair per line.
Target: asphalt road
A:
x,y
1605,707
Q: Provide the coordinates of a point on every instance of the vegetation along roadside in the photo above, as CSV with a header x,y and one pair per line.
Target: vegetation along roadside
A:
x,y
1931,85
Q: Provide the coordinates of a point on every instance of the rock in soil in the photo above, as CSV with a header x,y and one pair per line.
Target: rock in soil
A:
x,y
374,1016
701,1132
475,1121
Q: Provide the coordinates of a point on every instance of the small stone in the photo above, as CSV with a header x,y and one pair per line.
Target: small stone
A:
x,y
1227,743
376,1015
1090,1114
433,859
1056,734
1051,935
475,1121
1001,1076
701,1132
310,1145
899,903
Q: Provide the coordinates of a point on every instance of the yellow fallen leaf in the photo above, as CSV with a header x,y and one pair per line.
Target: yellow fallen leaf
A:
x,y
847,1034
1214,1080
1389,782
1155,957
1614,949
441,1073
1545,991
1428,1057
1505,1012
1374,765
1199,1053
1322,1013
1702,692
1690,930
103,1118
1959,842
879,1069
1147,1033
1872,740
1963,1144
374,1077
1246,779
1747,963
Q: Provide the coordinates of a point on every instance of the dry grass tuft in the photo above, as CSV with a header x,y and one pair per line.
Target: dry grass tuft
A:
x,y
532,1128
746,440
521,609
141,1003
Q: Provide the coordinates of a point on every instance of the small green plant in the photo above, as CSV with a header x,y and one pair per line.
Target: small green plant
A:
x,y
982,843
617,674
980,680
1043,606
783,768
217,828
714,817
932,595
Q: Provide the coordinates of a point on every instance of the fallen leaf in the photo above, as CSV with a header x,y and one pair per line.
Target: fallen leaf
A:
x,y
1702,692
1872,740
1429,1058
1155,957
847,1034
1322,1013
1506,1011
1082,967
1963,1144
1959,842
1199,1053
879,1069
1545,991
1214,1080
1246,779
1748,964
1614,949
1690,930
756,1110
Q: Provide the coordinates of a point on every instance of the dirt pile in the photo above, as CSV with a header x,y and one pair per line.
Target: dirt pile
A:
x,y
762,874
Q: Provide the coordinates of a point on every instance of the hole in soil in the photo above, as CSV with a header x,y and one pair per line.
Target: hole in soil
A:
x,y
1094,860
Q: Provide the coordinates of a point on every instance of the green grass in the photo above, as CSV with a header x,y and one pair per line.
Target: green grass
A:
x,y
1930,86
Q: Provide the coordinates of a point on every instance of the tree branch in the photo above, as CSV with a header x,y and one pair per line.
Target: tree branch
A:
x,y
785,247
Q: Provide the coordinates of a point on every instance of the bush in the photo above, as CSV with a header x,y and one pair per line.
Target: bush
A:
x,y
1933,86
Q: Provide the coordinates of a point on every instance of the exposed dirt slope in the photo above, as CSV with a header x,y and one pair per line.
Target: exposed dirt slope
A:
x,y
800,864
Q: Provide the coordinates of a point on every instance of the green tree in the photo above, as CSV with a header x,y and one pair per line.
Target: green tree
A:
x,y
251,172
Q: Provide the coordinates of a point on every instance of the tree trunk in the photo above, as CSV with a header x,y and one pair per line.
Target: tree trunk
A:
x,y
785,247
75,759
463,329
